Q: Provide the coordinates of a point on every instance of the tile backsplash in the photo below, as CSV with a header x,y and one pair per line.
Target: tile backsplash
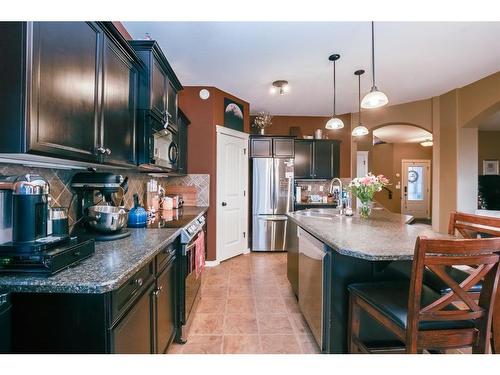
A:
x,y
61,193
318,187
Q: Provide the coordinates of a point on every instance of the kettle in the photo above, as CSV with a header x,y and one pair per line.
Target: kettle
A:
x,y
137,216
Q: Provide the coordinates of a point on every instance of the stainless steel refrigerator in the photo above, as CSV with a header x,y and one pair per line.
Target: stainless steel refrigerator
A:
x,y
272,199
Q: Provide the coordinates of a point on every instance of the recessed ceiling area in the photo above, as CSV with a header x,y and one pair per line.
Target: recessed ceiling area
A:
x,y
414,60
491,124
401,134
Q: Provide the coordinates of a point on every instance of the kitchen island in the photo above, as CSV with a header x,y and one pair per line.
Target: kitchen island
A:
x,y
349,250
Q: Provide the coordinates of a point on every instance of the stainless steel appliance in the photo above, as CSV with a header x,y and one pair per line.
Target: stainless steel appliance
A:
x,y
189,285
31,249
6,184
165,149
272,199
311,281
96,213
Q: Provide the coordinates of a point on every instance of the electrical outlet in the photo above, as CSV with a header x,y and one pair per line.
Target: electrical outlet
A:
x,y
309,188
321,187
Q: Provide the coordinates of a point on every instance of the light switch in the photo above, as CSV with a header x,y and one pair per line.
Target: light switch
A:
x,y
320,187
309,188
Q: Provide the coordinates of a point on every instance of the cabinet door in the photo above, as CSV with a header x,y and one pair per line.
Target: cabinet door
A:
x,y
183,145
158,89
172,102
64,107
165,308
119,106
133,334
303,165
261,147
283,147
326,159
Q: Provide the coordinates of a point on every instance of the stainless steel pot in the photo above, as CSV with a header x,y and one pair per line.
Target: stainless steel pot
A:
x,y
107,218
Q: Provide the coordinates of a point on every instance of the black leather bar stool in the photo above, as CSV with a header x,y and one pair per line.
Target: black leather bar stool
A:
x,y
422,318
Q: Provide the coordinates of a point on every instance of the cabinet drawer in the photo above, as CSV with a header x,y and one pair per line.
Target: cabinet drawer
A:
x,y
164,256
122,298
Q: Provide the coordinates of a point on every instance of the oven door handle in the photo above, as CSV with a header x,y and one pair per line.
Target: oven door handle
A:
x,y
187,249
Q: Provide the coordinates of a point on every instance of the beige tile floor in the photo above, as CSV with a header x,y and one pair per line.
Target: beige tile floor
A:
x,y
248,306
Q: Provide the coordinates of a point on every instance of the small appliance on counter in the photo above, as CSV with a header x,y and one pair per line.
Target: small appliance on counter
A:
x,y
97,215
27,243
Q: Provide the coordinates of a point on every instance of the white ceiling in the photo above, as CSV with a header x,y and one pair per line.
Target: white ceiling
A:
x,y
492,123
414,60
401,134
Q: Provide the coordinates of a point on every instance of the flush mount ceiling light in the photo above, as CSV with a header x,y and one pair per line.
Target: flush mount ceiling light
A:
x,y
427,143
375,98
280,86
359,130
204,94
334,122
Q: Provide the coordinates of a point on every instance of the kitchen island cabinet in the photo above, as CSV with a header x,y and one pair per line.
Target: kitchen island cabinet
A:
x,y
348,250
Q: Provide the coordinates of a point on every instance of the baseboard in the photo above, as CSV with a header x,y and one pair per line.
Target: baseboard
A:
x,y
246,251
211,263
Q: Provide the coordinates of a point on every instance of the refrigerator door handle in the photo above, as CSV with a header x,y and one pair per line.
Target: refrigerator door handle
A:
x,y
272,186
273,218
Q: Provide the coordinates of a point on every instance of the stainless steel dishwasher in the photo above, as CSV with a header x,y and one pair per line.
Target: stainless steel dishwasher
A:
x,y
311,274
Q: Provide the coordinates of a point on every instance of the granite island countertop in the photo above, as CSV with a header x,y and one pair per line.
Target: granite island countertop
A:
x,y
113,263
383,236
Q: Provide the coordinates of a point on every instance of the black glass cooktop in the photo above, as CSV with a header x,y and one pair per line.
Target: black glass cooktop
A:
x,y
170,219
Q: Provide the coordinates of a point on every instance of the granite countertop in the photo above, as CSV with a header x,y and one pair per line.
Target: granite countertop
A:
x,y
384,236
113,263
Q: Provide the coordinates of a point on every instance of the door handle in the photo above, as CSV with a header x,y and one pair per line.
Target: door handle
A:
x,y
224,204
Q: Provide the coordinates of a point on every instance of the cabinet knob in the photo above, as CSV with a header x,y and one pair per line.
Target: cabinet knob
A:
x,y
139,282
108,151
101,150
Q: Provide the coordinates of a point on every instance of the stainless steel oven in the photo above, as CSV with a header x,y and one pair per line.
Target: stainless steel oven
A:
x,y
189,283
165,148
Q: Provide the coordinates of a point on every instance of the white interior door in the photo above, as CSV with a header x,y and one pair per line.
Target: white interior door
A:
x,y
416,194
232,197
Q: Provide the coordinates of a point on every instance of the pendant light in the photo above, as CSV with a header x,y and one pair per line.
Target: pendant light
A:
x,y
360,129
334,123
375,98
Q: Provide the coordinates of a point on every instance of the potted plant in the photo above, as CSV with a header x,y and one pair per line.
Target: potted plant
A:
x,y
364,188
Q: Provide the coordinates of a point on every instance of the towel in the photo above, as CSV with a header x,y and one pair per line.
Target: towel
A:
x,y
199,261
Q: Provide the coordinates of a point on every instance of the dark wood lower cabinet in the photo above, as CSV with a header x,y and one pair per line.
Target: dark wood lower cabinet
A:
x,y
137,318
134,333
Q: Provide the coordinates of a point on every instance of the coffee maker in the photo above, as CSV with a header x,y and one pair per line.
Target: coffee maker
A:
x,y
102,192
27,245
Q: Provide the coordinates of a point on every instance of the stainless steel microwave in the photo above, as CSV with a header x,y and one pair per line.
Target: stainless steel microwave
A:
x,y
165,148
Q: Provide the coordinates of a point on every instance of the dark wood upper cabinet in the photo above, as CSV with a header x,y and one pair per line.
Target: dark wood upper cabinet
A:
x,y
317,158
68,90
283,147
271,146
172,102
158,88
303,164
183,122
65,88
261,147
119,105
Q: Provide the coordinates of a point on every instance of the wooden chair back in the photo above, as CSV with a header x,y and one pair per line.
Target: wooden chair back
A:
x,y
482,255
473,226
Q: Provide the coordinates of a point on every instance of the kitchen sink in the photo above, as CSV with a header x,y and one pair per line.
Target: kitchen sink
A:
x,y
325,213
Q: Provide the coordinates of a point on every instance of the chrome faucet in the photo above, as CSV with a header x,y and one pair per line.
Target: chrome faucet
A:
x,y
340,198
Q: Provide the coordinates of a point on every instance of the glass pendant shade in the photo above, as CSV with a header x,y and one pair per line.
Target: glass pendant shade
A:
x,y
427,143
359,131
374,99
334,123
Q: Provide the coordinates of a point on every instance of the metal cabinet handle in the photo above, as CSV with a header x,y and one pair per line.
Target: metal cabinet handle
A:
x,y
108,151
139,282
158,291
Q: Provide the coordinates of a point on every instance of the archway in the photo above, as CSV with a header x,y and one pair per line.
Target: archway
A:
x,y
388,145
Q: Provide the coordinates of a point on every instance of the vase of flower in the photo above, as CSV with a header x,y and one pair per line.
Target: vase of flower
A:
x,y
364,188
262,121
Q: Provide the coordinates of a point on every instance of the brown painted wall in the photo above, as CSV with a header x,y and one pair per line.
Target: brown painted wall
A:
x,y
202,142
308,124
488,147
